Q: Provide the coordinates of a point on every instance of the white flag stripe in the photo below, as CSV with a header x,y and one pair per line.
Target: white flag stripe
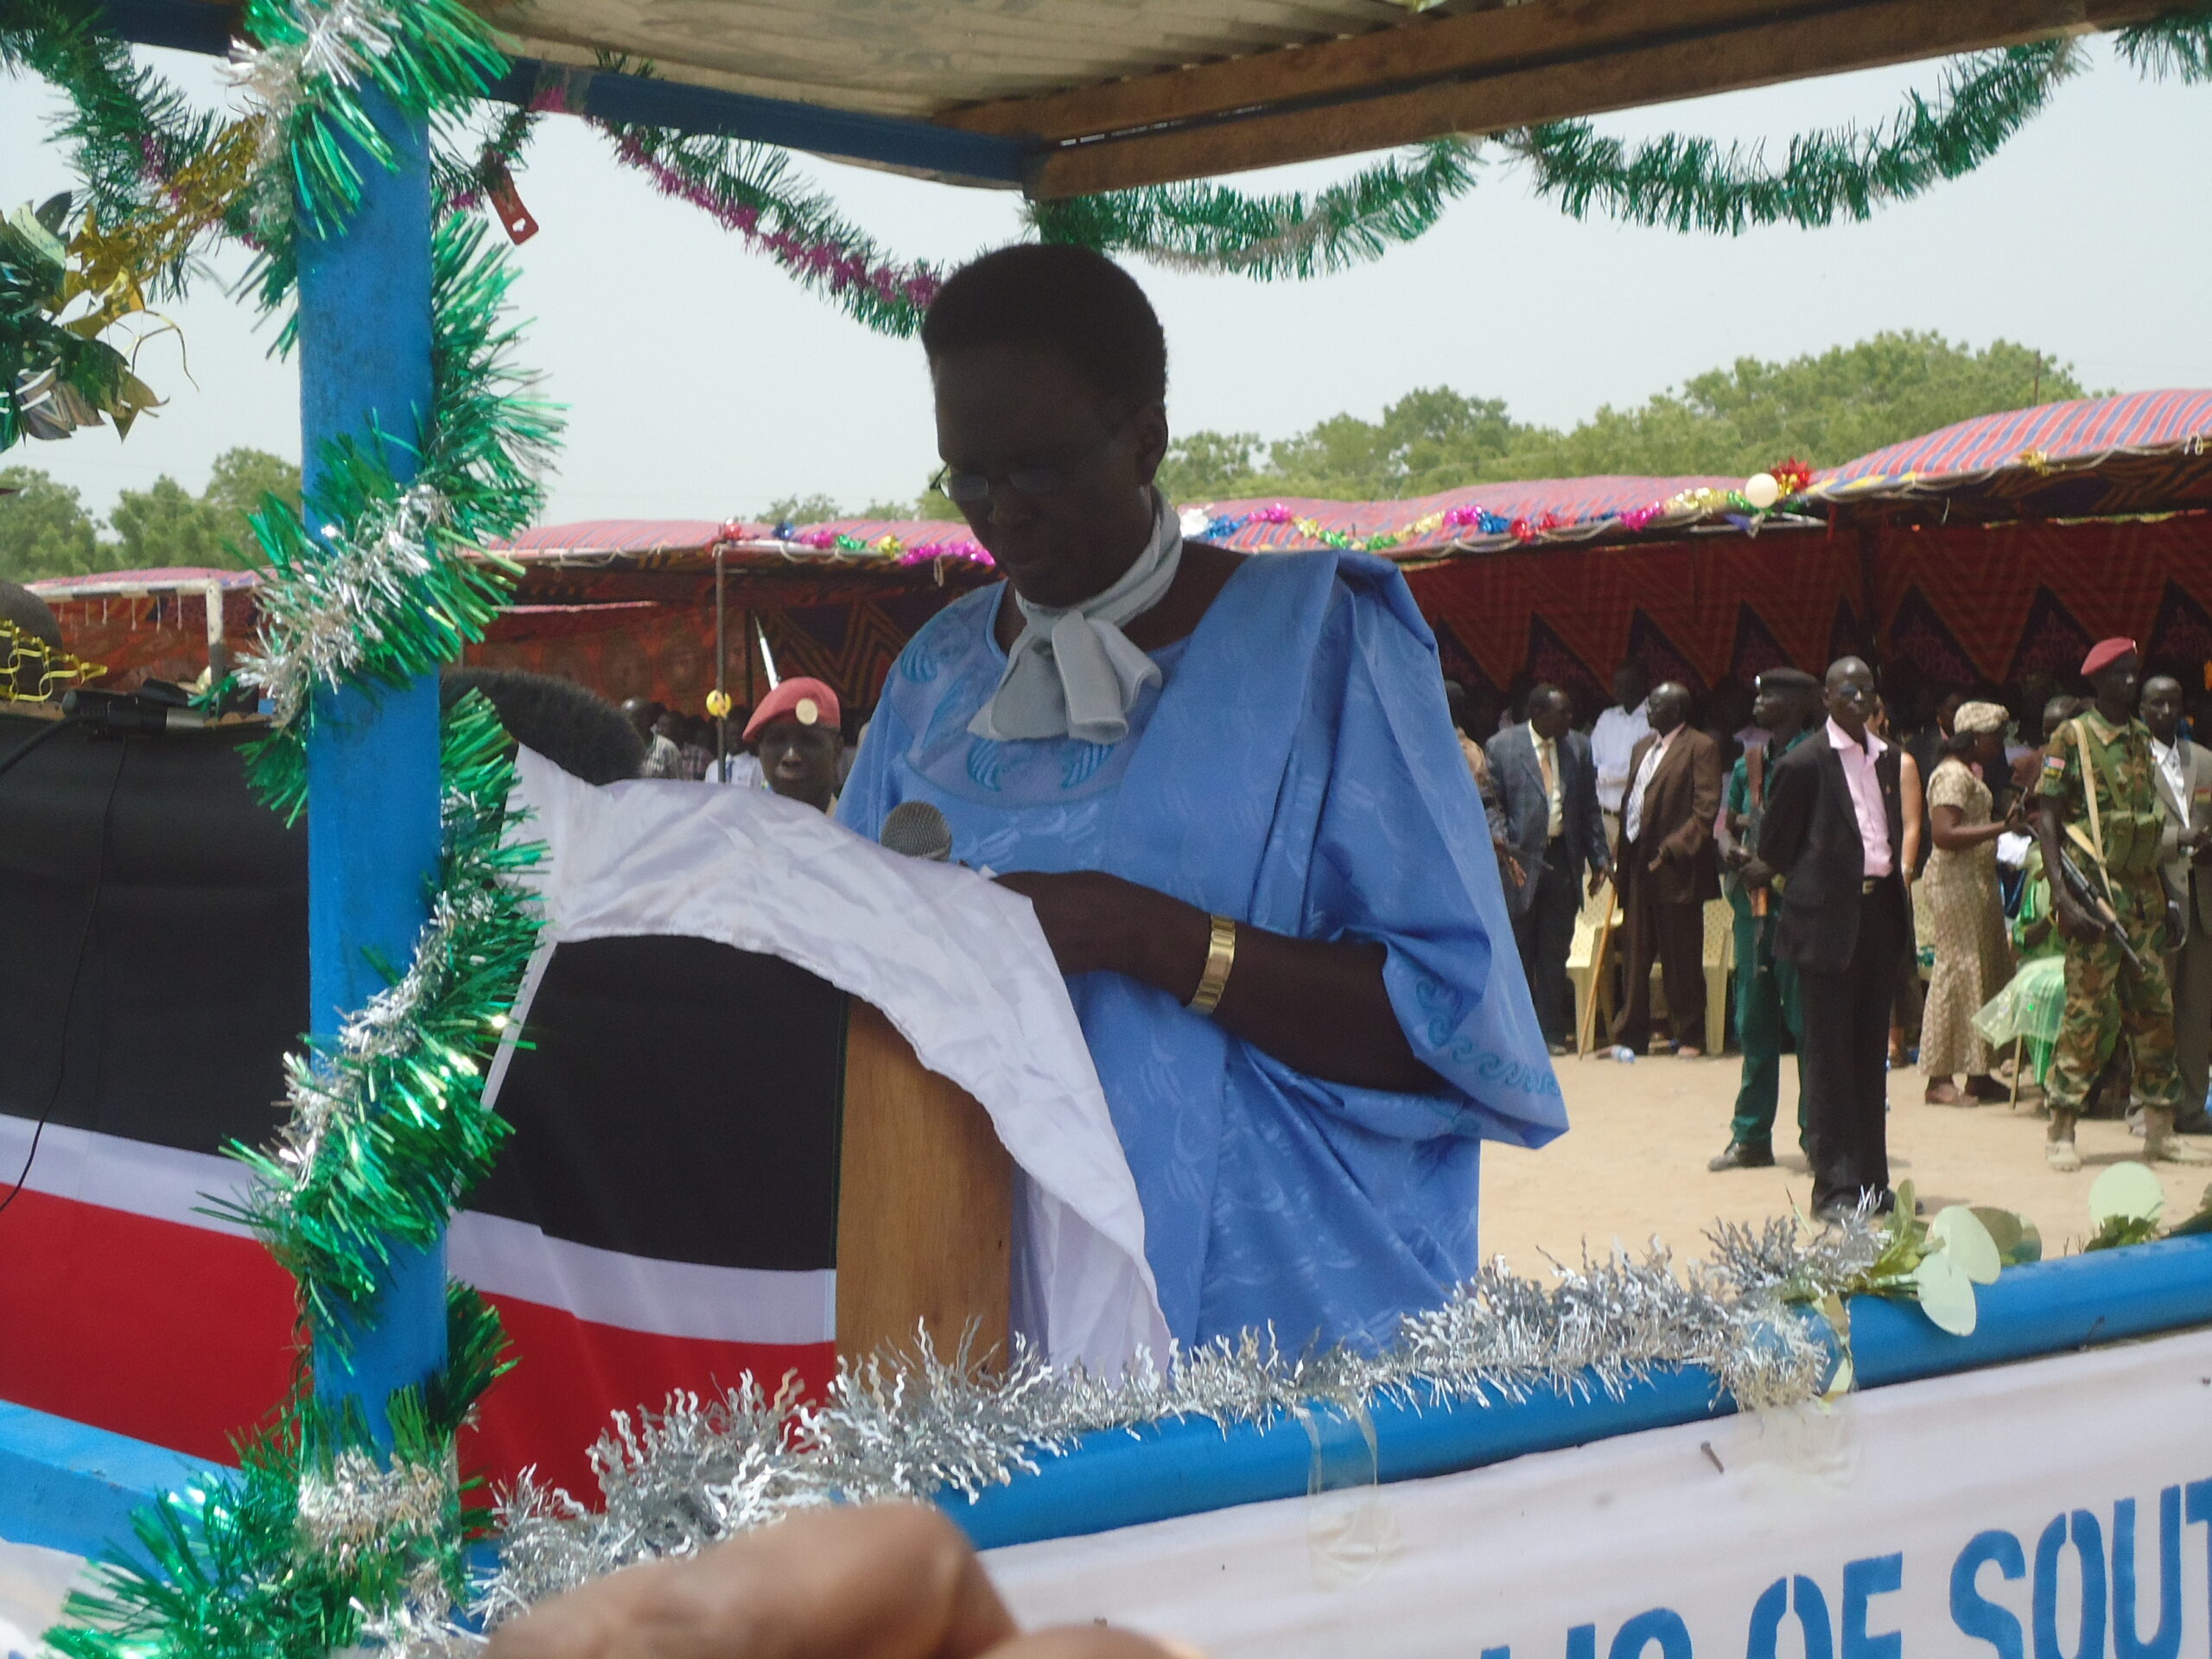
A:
x,y
161,1182
635,1292
504,1257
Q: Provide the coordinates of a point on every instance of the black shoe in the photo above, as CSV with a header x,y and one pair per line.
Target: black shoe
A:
x,y
2197,1122
1741,1155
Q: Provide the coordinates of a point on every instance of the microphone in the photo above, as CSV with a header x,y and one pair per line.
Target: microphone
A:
x,y
918,830
121,713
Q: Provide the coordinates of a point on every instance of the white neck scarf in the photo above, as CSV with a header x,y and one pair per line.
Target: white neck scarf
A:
x,y
1073,673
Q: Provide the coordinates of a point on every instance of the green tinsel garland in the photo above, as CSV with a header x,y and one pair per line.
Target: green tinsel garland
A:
x,y
388,1125
315,1540
1689,184
429,57
338,608
2178,45
1212,227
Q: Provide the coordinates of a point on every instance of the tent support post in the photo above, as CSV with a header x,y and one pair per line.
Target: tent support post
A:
x,y
721,668
373,757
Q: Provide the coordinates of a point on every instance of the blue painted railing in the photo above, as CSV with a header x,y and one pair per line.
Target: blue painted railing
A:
x,y
1116,1478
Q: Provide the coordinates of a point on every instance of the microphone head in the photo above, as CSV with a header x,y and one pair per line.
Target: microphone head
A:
x,y
918,830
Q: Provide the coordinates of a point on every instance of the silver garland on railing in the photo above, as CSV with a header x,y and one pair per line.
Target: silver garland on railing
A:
x,y
359,1504
330,613
676,1481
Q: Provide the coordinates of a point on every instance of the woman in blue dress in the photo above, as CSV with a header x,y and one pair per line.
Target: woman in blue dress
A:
x,y
1230,787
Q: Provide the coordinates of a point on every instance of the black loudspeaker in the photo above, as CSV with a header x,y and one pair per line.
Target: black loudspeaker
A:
x,y
193,981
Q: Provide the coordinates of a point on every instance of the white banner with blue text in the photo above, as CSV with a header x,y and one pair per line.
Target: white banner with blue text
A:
x,y
2060,1508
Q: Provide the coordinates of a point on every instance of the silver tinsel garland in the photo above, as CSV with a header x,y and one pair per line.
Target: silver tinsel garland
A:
x,y
323,1097
327,616
360,1506
676,1481
337,47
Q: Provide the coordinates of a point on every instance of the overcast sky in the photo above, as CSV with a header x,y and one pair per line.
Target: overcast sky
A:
x,y
702,384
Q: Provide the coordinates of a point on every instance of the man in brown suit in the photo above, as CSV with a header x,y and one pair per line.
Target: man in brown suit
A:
x,y
1668,868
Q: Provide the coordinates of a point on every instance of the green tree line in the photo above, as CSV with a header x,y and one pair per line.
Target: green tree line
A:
x,y
45,529
1732,422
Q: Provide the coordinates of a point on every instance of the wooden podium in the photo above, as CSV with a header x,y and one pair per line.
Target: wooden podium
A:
x,y
924,1203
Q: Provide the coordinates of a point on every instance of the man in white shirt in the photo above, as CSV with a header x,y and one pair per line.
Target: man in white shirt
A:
x,y
1619,730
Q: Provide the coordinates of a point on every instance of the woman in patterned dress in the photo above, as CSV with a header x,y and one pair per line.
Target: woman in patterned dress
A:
x,y
1973,959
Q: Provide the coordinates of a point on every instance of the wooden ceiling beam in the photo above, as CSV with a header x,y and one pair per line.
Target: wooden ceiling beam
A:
x,y
1870,35
1423,49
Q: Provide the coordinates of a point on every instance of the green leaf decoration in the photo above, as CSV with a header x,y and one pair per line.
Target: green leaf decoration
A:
x,y
2196,1224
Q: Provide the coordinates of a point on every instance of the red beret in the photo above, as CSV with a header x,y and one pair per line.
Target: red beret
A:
x,y
808,702
2104,654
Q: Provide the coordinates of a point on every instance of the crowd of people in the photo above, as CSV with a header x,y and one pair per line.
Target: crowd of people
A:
x,y
2055,895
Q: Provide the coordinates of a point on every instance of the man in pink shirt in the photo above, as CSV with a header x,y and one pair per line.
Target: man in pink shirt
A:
x,y
1831,847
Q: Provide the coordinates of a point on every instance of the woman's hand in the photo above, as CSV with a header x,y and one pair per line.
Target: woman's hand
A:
x,y
1094,921
1318,1006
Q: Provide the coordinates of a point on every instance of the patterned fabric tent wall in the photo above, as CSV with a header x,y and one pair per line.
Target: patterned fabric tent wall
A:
x,y
2005,604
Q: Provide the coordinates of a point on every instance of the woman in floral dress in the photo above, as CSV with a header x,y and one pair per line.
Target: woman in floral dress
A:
x,y
1973,958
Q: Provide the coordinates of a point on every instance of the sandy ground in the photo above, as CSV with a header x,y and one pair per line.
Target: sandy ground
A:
x,y
1632,1165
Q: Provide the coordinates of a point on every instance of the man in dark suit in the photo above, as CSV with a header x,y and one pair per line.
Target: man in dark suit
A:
x,y
1832,845
1667,869
2184,781
1548,786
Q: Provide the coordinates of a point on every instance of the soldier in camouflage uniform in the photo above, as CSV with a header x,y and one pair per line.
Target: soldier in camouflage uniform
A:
x,y
2105,815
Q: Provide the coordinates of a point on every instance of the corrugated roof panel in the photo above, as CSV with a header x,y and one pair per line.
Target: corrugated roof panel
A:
x,y
918,57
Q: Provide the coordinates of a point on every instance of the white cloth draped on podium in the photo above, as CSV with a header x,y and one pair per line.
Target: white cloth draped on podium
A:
x,y
956,963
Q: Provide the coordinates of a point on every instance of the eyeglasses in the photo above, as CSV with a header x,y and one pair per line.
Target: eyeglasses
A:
x,y
973,489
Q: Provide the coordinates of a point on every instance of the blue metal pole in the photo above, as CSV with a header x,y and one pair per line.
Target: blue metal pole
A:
x,y
373,758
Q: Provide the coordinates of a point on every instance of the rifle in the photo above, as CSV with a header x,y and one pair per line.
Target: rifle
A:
x,y
1755,776
2099,908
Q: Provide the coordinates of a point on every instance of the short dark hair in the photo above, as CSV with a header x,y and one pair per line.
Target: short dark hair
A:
x,y
1054,297
1542,692
578,730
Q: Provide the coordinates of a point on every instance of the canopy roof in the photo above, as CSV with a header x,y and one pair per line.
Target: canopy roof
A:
x,y
1065,97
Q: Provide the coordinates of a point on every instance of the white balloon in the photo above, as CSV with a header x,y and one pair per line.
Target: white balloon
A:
x,y
1762,489
2128,1191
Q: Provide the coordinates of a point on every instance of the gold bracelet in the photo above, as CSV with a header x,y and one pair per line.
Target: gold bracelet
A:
x,y
1221,957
